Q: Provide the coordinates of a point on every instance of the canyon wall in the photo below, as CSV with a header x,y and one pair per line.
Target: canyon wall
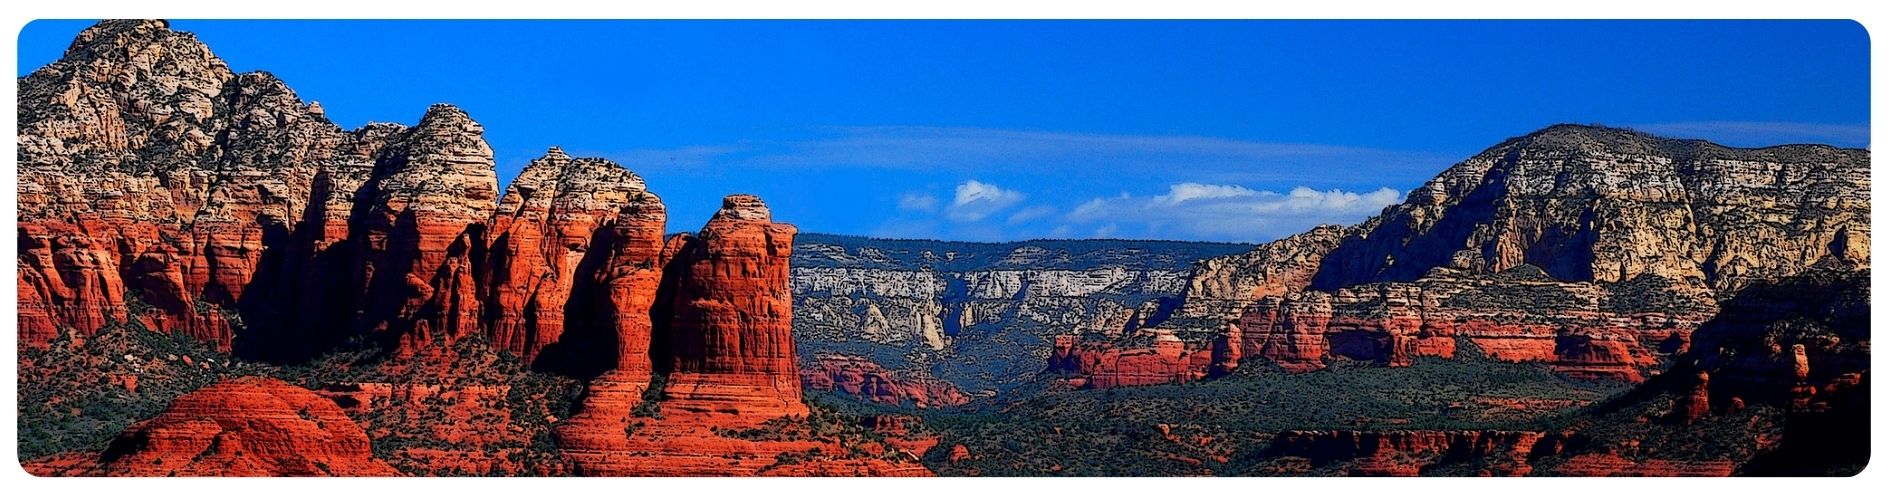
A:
x,y
1593,249
980,317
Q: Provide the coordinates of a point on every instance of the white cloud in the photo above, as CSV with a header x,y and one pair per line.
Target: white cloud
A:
x,y
918,202
1182,192
974,200
983,211
1228,212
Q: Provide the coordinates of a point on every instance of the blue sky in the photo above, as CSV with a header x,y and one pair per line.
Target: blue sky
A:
x,y
1212,130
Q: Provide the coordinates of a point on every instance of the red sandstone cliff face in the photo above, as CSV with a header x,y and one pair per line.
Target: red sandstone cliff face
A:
x,y
1582,329
731,400
241,427
571,236
151,177
1099,365
423,230
730,350
1226,353
863,379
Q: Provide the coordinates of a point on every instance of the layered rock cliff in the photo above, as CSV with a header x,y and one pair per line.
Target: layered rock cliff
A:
x,y
979,316
867,381
1522,315
576,242
1593,204
151,177
1594,249
730,349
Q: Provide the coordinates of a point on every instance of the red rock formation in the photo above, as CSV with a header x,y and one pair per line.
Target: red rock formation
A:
x,y
1289,332
1582,329
434,194
1584,356
1780,341
723,338
1694,404
632,273
730,349
1167,360
959,453
1064,359
151,177
567,227
1226,354
629,278
242,427
863,379
1408,452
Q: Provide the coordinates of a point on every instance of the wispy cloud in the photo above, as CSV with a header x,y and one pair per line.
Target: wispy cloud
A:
x,y
918,202
1228,212
999,184
984,151
1764,133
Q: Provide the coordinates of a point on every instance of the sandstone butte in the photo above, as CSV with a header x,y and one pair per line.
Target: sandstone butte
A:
x,y
159,186
729,364
248,426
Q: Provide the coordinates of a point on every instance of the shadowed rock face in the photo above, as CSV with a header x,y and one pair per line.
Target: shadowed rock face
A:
x,y
571,238
151,176
160,187
242,427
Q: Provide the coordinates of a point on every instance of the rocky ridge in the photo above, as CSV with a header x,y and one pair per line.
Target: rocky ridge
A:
x,y
165,191
1594,249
